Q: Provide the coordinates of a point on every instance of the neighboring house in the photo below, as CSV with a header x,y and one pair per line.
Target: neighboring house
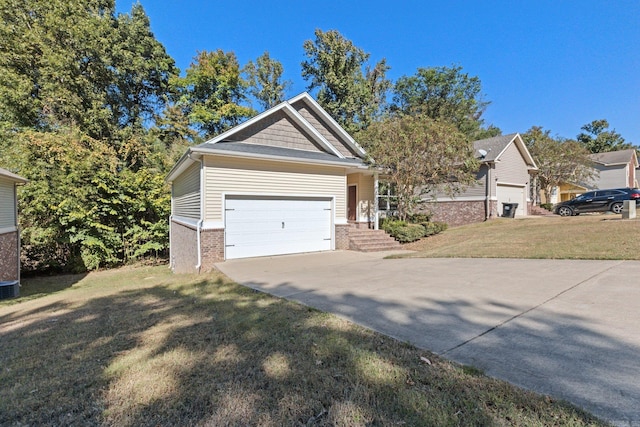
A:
x,y
505,176
617,169
9,234
289,180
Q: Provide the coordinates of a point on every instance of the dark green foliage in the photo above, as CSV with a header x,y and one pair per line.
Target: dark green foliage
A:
x,y
212,92
83,208
444,93
547,206
408,233
350,90
598,139
432,228
418,218
414,228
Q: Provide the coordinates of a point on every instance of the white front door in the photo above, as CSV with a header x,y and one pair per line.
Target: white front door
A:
x,y
262,226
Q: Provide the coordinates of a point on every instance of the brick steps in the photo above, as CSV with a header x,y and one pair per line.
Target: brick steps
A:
x,y
365,240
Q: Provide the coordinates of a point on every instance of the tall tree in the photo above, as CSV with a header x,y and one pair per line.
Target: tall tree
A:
x,y
559,161
265,80
598,139
420,155
444,93
213,91
75,63
350,90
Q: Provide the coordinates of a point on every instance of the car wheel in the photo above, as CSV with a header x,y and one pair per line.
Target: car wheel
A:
x,y
564,211
616,208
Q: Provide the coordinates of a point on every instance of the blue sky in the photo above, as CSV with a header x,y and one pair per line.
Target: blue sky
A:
x,y
557,64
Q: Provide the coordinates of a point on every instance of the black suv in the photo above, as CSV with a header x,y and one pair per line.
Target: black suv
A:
x,y
598,201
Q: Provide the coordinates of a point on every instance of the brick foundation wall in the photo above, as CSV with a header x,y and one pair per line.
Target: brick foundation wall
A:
x,y
459,212
212,242
184,250
342,236
9,256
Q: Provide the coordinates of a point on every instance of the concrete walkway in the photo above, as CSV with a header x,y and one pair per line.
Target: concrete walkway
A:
x,y
569,329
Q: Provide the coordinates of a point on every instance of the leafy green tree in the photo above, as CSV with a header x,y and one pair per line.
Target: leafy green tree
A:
x,y
353,96
84,208
444,93
559,161
213,91
265,81
75,63
420,155
598,139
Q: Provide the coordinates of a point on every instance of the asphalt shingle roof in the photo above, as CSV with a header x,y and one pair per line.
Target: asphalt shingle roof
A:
x,y
493,146
265,150
613,157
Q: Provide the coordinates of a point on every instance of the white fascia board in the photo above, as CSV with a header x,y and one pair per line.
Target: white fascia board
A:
x,y
189,222
8,230
185,161
317,136
308,99
213,151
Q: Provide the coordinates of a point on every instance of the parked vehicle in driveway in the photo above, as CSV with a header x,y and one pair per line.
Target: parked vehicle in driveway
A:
x,y
598,201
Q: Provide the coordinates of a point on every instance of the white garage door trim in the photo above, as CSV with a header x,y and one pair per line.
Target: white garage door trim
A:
x,y
276,225
508,193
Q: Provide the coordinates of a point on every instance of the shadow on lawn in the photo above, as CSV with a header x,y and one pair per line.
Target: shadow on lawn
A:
x,y
170,355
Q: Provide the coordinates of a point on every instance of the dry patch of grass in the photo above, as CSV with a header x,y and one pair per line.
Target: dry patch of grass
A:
x,y
143,347
582,237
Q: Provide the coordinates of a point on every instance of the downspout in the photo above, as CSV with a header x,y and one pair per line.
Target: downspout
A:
x,y
375,200
488,196
200,221
15,207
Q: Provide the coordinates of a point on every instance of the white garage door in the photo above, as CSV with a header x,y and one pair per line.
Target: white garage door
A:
x,y
511,194
262,226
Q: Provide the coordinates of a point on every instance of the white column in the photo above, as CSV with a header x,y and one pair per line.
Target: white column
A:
x,y
375,200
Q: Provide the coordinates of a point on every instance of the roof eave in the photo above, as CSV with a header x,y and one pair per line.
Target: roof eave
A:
x,y
244,155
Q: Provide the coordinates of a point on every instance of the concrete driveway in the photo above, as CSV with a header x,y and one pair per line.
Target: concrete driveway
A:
x,y
569,329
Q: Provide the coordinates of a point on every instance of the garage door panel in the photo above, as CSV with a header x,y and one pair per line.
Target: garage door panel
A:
x,y
262,227
511,194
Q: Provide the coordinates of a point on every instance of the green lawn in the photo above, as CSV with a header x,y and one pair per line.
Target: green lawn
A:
x,y
582,237
143,347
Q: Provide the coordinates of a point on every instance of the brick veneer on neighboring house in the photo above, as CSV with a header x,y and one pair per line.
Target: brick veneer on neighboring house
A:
x,y
460,212
9,256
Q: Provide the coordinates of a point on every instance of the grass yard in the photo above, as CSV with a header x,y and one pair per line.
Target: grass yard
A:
x,y
143,347
582,237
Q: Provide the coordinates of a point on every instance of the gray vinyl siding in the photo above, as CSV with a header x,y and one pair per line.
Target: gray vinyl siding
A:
x,y
612,176
511,167
475,191
277,130
7,204
185,193
324,130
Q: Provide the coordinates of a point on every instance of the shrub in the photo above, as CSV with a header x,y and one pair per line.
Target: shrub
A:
x,y
418,218
391,224
547,206
431,228
408,233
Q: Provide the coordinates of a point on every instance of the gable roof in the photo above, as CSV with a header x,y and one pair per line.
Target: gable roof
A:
x,y
12,176
615,158
496,146
225,143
